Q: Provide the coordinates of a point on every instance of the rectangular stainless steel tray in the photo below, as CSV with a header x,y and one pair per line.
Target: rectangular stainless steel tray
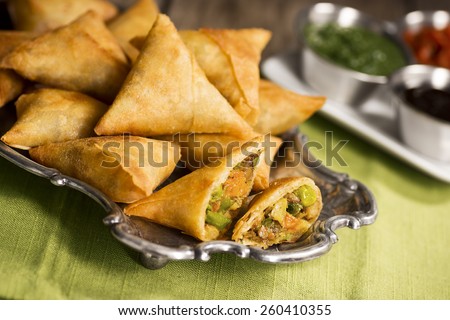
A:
x,y
375,120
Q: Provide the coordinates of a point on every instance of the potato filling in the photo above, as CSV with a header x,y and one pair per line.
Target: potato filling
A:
x,y
281,221
229,196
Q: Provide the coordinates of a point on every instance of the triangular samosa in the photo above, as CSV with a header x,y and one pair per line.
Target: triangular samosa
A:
x,y
130,51
53,115
166,92
199,150
282,109
282,213
230,59
136,21
43,15
204,203
10,39
83,56
11,84
124,168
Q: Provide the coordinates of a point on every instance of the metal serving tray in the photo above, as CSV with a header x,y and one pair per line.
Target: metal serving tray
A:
x,y
347,203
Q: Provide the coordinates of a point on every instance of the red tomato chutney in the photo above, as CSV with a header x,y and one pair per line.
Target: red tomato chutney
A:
x,y
430,45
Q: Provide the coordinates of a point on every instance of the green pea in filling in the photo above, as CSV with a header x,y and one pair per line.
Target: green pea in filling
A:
x,y
279,222
229,196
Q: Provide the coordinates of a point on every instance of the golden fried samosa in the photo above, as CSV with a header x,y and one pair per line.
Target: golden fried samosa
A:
x,y
205,202
136,21
11,39
11,84
230,59
199,150
282,213
44,15
53,115
83,56
138,42
130,51
124,168
262,177
166,92
282,109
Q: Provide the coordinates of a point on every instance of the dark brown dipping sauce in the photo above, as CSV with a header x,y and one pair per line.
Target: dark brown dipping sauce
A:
x,y
431,101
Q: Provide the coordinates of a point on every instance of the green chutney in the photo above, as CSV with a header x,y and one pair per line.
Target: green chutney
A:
x,y
355,48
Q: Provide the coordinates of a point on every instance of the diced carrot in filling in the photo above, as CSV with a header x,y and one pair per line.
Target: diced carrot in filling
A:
x,y
236,184
229,196
281,221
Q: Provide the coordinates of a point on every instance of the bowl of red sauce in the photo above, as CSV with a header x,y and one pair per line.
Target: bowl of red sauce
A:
x,y
422,96
427,33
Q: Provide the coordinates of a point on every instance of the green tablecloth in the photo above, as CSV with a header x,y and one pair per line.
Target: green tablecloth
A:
x,y
53,245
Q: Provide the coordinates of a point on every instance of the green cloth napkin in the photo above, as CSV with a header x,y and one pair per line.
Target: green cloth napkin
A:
x,y
53,244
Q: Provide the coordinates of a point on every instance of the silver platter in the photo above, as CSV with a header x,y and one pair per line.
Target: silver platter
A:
x,y
347,203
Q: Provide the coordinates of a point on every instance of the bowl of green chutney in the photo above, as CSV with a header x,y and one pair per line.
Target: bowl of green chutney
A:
x,y
346,54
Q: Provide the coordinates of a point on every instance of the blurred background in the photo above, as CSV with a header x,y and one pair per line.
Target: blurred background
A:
x,y
278,15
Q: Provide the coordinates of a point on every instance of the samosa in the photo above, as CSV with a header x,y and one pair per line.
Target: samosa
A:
x,y
124,168
282,213
11,84
199,150
230,59
44,15
130,51
166,92
282,109
83,56
53,115
136,21
204,203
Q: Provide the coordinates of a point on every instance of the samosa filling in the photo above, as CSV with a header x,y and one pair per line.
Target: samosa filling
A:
x,y
229,196
281,221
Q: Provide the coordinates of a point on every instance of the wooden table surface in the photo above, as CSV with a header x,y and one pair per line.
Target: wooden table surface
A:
x,y
278,15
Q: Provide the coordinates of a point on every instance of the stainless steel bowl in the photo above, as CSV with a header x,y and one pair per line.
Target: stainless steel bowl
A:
x,y
336,82
422,132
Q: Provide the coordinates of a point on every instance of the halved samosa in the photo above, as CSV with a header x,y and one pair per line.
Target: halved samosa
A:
x,y
230,59
53,115
124,168
205,202
199,150
136,21
166,92
83,56
282,109
44,15
262,177
282,213
11,84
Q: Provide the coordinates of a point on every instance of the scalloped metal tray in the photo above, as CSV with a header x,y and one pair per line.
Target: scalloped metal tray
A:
x,y
347,203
